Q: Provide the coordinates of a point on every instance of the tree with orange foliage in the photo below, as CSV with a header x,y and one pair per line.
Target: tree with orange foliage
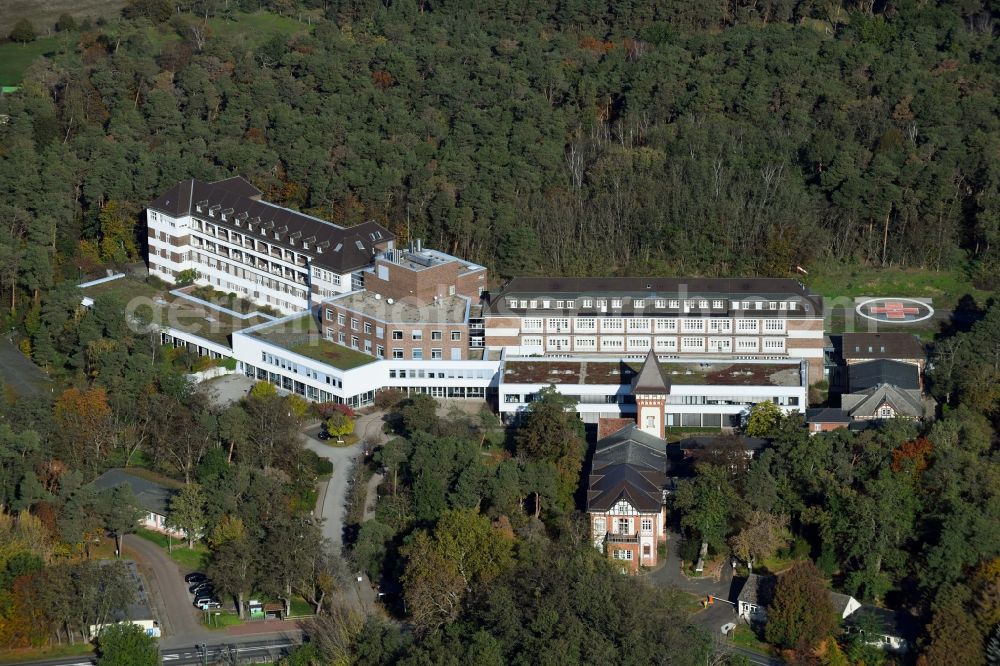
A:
x,y
84,425
912,456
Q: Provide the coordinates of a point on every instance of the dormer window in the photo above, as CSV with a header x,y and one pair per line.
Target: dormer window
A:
x,y
360,245
339,245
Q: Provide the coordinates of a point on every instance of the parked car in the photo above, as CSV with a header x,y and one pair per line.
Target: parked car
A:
x,y
202,598
199,587
195,577
323,435
208,604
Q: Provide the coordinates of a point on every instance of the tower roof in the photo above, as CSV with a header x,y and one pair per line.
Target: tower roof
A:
x,y
651,378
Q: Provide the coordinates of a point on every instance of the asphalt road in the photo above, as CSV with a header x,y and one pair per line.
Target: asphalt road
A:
x,y
368,428
239,650
19,372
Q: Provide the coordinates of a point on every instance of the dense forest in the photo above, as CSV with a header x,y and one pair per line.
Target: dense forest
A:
x,y
575,137
713,138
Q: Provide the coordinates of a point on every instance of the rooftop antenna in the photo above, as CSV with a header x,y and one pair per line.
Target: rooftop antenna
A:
x,y
407,223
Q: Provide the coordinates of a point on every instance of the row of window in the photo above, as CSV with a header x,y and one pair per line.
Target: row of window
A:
x,y
459,373
715,400
646,325
358,325
643,303
622,525
253,243
659,344
294,368
325,275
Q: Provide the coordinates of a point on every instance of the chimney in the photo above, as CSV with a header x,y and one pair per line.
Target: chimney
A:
x,y
417,245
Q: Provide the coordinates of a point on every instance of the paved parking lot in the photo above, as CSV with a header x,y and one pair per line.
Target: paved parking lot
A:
x,y
224,391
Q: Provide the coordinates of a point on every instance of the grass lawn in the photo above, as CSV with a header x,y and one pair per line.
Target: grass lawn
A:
x,y
349,440
301,607
187,558
252,29
220,619
744,637
48,652
15,58
944,287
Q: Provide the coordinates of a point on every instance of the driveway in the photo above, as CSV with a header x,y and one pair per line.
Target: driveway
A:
x,y
19,372
180,624
332,500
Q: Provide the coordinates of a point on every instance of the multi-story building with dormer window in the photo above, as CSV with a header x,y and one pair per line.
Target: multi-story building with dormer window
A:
x,y
677,318
239,243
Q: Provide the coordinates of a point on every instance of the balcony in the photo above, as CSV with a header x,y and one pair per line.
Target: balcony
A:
x,y
613,537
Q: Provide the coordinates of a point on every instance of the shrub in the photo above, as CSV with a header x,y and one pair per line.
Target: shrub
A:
x,y
389,398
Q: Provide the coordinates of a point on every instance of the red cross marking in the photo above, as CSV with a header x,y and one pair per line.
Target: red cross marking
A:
x,y
893,310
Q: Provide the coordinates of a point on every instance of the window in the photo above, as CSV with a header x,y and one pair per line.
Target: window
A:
x,y
647,525
436,353
660,303
666,326
720,325
675,303
329,314
720,345
703,304
601,303
533,304
341,338
418,335
774,344
650,423
341,318
584,324
639,324
418,354
623,555
559,325
616,302
612,325
560,304
692,325
570,304
746,325
545,303
717,304
368,328
623,526
775,325
368,346
600,527
666,344
380,351
692,344
639,303
436,335
885,412
588,303
397,352
531,324
512,302
456,336
354,341
354,324
397,335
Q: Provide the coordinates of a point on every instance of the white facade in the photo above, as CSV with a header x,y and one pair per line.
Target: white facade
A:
x,y
316,380
242,263
710,405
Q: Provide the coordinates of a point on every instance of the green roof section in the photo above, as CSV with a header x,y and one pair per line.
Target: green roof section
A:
x,y
301,335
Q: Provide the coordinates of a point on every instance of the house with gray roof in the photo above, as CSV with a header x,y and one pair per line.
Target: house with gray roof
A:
x,y
152,497
627,487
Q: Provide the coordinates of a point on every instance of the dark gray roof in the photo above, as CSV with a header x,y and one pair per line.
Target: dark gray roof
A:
x,y
886,622
905,402
629,464
863,376
151,496
827,415
840,602
639,486
708,441
344,249
649,289
758,590
632,446
650,378
881,345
